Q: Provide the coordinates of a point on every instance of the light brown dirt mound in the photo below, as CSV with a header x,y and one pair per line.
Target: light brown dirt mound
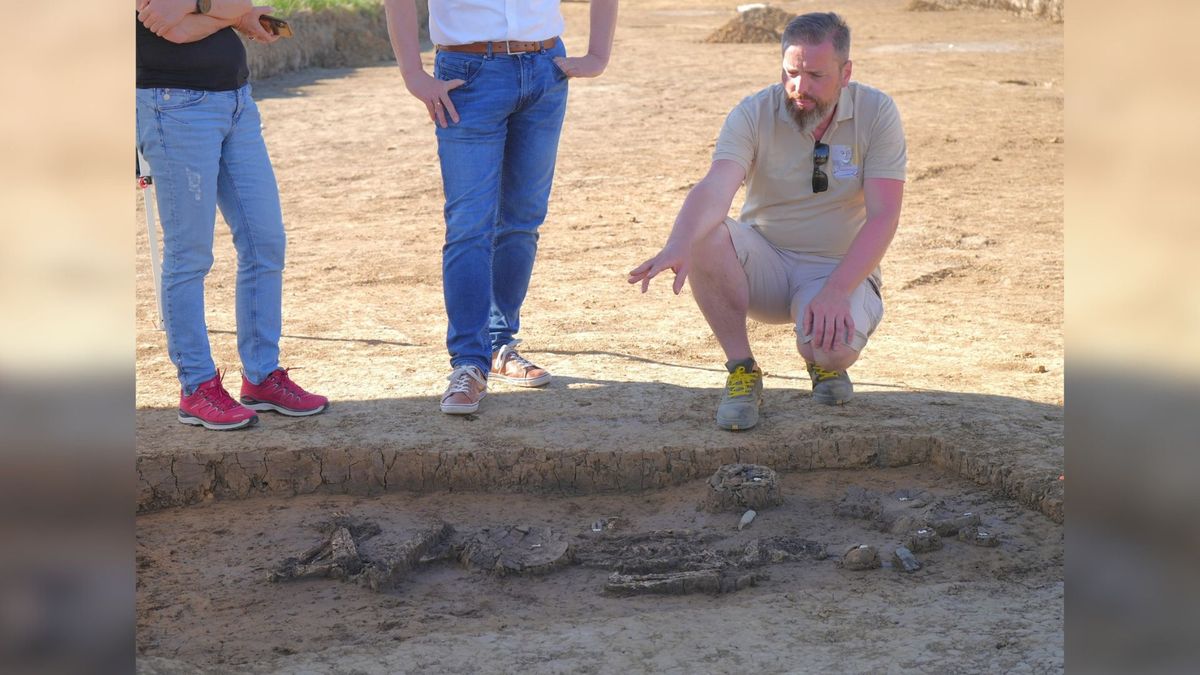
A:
x,y
1042,9
926,6
764,24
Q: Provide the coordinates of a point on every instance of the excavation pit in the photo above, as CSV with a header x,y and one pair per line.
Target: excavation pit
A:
x,y
205,598
191,477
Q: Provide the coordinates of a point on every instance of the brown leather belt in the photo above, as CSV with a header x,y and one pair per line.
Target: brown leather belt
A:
x,y
500,47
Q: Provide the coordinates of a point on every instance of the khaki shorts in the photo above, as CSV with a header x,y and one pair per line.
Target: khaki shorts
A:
x,y
783,282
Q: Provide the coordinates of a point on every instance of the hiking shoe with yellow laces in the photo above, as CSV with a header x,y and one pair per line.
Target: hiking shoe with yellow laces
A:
x,y
831,387
743,394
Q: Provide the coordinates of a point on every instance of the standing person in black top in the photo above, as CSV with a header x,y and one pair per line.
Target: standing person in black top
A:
x,y
200,132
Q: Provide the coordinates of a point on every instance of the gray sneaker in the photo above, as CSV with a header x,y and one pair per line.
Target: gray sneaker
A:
x,y
743,394
831,387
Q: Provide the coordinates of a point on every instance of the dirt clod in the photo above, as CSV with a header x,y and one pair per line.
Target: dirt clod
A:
x,y
978,536
947,524
363,557
737,487
781,549
519,549
924,540
861,557
859,503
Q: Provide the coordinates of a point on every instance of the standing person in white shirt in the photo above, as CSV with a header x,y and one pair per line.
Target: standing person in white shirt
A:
x,y
498,95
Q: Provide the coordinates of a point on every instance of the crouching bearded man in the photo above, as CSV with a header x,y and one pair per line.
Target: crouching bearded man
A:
x,y
823,160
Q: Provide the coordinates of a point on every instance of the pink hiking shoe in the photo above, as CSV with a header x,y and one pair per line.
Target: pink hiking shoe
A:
x,y
211,407
277,392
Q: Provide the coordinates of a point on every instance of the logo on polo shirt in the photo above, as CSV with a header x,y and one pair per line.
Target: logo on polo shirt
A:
x,y
843,161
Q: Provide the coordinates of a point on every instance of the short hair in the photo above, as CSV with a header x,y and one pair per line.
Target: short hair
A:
x,y
815,28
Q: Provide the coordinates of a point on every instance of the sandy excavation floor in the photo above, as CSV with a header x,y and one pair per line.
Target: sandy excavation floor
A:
x,y
970,351
203,597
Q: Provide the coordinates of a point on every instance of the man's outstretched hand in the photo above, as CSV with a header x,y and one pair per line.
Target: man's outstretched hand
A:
x,y
669,258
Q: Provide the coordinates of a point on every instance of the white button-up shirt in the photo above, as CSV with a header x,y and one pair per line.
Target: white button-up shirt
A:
x,y
460,22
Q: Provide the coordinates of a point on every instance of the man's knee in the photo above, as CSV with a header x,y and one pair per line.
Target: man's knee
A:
x,y
840,359
836,360
715,245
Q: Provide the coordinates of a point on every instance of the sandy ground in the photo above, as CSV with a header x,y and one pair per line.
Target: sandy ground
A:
x,y
970,350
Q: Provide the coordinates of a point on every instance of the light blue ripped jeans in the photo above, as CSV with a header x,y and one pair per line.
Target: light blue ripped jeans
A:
x,y
205,149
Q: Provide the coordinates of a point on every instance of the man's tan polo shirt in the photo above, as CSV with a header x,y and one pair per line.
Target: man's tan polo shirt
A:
x,y
866,140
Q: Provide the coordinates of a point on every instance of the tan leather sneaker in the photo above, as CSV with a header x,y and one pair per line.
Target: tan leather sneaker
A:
x,y
467,388
509,366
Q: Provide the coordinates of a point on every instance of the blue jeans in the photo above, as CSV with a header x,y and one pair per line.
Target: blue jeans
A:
x,y
205,149
497,168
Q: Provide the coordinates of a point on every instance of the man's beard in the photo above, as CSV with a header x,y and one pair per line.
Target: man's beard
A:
x,y
809,117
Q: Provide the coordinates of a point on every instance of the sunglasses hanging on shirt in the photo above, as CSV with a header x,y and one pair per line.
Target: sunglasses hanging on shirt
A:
x,y
820,181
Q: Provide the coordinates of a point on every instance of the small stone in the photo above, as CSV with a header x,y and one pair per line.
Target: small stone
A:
x,y
861,557
912,498
607,524
978,537
903,559
747,518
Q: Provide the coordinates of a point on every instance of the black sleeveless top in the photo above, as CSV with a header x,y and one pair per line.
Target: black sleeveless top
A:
x,y
216,63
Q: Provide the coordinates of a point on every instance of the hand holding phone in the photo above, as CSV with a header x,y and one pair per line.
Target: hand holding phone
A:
x,y
275,26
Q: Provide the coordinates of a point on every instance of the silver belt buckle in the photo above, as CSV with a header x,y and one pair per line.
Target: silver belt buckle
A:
x,y
508,47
